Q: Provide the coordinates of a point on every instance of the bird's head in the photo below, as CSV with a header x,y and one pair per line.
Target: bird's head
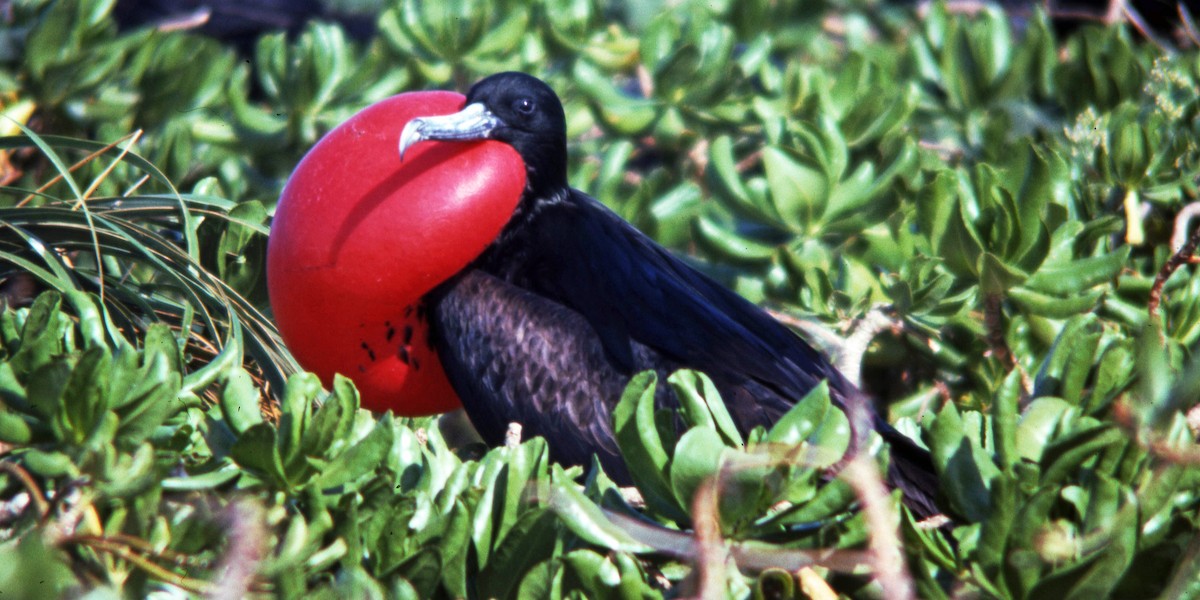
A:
x,y
515,108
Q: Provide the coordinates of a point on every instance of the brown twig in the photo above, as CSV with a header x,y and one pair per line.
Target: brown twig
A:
x,y
121,550
1184,577
749,162
1135,18
1170,453
1115,9
883,539
748,557
993,316
235,575
1193,420
850,358
35,492
814,586
645,81
1123,418
815,333
512,437
1182,256
137,184
943,391
711,555
165,554
1189,24
698,154
1179,233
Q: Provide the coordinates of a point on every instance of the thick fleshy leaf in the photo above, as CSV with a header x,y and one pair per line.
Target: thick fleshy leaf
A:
x,y
586,519
641,446
966,470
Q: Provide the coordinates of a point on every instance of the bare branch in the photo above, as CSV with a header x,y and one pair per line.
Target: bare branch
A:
x,y
886,554
1182,256
236,573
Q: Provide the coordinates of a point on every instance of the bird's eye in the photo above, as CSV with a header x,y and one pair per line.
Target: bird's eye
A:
x,y
524,106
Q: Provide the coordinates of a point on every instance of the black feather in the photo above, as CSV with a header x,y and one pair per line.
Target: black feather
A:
x,y
548,325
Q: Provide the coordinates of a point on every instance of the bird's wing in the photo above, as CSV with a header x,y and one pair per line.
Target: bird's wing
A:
x,y
515,356
633,291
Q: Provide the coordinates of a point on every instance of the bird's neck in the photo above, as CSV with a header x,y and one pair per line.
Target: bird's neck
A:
x,y
545,169
514,252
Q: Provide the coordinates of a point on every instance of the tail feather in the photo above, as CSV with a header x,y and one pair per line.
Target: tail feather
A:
x,y
911,470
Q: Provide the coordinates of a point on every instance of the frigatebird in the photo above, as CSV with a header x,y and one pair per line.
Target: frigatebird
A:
x,y
550,323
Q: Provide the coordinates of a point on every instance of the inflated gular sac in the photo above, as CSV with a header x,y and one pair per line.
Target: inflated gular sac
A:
x,y
359,236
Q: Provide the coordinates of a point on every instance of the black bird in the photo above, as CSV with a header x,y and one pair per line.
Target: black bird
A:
x,y
549,324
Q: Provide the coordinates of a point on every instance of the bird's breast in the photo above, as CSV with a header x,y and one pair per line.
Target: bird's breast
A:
x,y
515,356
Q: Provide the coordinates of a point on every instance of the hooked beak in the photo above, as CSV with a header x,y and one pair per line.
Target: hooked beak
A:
x,y
475,122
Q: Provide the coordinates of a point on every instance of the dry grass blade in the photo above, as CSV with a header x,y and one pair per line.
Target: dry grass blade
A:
x,y
151,278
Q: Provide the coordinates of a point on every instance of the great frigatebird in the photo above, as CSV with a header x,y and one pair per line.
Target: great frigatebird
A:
x,y
549,324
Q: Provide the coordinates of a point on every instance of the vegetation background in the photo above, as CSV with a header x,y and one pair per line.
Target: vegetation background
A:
x,y
982,210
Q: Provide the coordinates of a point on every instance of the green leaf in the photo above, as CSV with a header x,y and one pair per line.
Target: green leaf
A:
x,y
1098,574
256,450
960,245
590,574
14,429
1066,455
731,246
1004,419
33,554
815,422
1054,307
328,434
296,409
530,541
937,207
1039,424
830,499
41,336
240,401
697,458
537,582
49,465
360,459
132,475
85,398
456,550
585,519
701,405
236,263
156,400
45,388
1113,375
774,583
965,469
1130,146
724,166
640,444
798,190
1079,274
996,276
422,570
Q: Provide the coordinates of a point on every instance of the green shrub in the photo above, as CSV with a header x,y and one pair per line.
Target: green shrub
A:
x,y
1004,194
